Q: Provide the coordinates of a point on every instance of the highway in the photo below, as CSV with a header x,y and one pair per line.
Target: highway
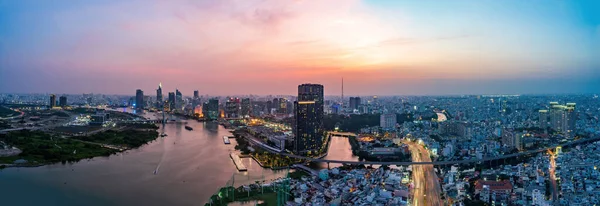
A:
x,y
426,189
553,176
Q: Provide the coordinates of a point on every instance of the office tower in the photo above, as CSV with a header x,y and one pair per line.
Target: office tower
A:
x,y
543,119
268,107
387,121
354,103
210,109
139,99
246,107
196,94
282,106
62,101
178,100
308,130
52,101
159,96
172,101
232,108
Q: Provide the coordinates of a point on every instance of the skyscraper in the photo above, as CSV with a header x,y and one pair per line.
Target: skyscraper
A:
x,y
62,101
308,130
52,101
211,109
196,99
139,99
563,117
178,100
543,119
172,101
159,96
354,102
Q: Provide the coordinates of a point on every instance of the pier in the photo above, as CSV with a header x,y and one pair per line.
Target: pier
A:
x,y
238,162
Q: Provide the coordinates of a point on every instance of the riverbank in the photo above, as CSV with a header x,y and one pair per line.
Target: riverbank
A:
x,y
40,148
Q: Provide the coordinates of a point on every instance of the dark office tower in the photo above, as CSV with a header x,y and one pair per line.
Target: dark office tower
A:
x,y
172,100
308,130
62,101
178,99
52,101
354,102
246,107
139,99
159,97
196,94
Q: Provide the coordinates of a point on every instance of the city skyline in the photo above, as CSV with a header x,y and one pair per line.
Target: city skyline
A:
x,y
269,47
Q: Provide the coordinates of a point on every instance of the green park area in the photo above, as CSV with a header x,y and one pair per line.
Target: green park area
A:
x,y
6,112
42,148
131,137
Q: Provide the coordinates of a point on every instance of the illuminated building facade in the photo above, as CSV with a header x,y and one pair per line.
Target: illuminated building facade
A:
x,y
159,96
308,130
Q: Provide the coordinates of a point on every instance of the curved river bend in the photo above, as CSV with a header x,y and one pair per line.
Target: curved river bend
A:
x,y
191,166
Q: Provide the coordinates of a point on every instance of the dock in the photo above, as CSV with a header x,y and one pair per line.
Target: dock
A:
x,y
238,162
226,140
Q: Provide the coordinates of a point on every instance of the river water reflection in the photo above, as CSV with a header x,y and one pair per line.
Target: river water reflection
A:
x,y
190,165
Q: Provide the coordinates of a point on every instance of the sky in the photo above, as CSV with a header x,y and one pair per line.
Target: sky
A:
x,y
230,47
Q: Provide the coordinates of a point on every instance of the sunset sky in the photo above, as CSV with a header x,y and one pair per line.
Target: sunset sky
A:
x,y
227,47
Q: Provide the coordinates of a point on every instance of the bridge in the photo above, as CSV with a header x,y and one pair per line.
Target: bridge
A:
x,y
573,143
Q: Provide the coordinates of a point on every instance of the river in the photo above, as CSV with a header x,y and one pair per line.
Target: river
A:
x,y
191,166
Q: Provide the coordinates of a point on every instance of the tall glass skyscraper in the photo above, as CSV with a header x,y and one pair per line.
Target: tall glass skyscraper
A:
x,y
139,99
159,97
308,130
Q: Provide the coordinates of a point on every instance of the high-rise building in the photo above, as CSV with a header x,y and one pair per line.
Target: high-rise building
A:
x,y
282,106
354,103
388,121
159,96
196,94
52,101
178,100
308,130
508,138
543,119
210,109
519,144
246,107
563,117
232,108
172,101
62,101
139,99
